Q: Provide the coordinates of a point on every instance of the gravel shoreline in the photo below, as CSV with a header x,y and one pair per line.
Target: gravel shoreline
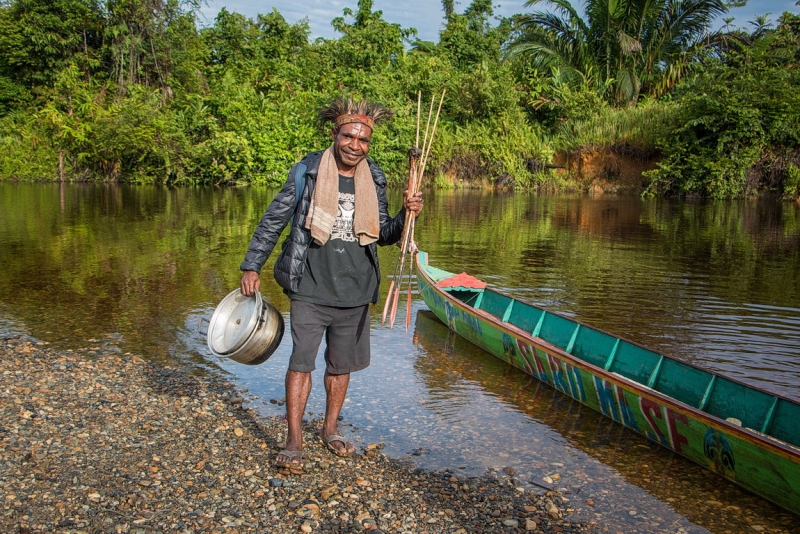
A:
x,y
98,442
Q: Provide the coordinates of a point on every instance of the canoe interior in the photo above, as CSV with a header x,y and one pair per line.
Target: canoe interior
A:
x,y
702,390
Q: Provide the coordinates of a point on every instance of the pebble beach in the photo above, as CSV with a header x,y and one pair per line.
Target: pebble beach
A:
x,y
99,442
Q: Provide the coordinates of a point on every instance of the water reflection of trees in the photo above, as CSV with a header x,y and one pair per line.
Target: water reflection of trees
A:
x,y
638,268
81,261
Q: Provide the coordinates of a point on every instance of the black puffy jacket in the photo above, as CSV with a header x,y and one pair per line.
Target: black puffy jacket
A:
x,y
291,263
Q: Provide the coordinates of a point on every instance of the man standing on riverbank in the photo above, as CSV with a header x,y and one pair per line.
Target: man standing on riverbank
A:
x,y
328,264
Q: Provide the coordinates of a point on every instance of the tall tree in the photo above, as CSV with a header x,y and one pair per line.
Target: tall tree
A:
x,y
470,39
642,45
39,38
368,41
146,36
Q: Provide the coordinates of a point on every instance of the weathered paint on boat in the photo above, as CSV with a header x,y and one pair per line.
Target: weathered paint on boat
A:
x,y
747,435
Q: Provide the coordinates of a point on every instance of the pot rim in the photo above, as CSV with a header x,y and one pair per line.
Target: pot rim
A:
x,y
250,328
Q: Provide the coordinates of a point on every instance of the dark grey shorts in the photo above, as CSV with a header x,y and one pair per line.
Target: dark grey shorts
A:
x,y
346,337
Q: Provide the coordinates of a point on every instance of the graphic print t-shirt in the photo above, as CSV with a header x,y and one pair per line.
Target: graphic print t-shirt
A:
x,y
339,273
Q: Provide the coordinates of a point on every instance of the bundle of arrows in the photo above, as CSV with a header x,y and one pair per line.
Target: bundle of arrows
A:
x,y
417,160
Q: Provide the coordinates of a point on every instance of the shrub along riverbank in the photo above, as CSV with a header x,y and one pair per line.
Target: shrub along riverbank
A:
x,y
134,91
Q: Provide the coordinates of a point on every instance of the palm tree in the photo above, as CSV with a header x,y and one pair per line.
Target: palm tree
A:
x,y
639,45
761,25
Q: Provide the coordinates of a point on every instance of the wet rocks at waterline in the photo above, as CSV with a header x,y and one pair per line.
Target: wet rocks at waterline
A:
x,y
91,442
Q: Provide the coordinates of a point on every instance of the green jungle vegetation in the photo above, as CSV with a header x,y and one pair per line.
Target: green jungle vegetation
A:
x,y
135,91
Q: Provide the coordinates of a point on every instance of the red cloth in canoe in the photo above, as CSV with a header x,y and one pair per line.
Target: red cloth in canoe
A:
x,y
462,280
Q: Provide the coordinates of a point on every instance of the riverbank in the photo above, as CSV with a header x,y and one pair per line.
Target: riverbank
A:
x,y
97,442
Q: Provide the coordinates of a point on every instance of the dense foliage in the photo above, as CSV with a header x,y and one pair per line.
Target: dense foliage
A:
x,y
134,90
739,122
632,46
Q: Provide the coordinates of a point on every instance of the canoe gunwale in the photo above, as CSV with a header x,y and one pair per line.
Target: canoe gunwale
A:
x,y
758,439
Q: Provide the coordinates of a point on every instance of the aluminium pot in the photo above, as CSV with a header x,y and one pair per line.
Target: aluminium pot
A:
x,y
245,329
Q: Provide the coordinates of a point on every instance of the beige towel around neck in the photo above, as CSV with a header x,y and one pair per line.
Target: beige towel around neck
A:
x,y
325,202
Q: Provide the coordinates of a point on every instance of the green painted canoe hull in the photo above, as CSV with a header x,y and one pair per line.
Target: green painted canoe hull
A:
x,y
747,435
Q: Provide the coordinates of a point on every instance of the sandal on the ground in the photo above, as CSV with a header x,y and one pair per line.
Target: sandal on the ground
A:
x,y
345,452
294,459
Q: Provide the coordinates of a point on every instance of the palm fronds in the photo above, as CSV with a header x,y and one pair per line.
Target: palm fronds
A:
x,y
642,45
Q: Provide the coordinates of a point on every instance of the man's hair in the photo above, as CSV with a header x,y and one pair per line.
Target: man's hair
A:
x,y
347,106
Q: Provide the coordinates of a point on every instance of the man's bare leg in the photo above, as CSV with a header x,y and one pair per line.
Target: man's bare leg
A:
x,y
336,391
298,388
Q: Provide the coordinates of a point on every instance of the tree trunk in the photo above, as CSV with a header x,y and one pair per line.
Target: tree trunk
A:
x,y
60,165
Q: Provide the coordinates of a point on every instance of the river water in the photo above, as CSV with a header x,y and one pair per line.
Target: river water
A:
x,y
134,269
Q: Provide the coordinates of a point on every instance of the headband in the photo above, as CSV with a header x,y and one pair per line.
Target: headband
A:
x,y
354,117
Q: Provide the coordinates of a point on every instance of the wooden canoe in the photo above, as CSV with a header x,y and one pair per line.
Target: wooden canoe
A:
x,y
747,435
